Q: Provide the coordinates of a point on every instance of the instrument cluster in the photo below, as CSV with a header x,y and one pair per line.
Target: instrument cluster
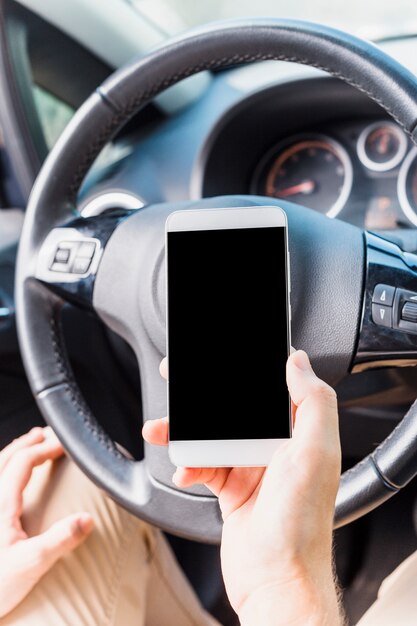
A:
x,y
363,172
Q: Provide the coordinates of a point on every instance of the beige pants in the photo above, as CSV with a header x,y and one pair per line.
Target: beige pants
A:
x,y
396,604
123,575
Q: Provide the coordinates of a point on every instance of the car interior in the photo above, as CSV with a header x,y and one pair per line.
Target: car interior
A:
x,y
323,126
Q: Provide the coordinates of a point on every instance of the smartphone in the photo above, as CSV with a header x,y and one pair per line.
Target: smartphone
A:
x,y
228,335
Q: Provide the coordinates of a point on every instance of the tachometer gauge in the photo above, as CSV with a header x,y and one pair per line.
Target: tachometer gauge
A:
x,y
407,186
314,171
381,146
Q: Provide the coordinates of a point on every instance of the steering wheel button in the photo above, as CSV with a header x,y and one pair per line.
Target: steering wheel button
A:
x,y
383,294
59,267
62,255
87,249
382,315
409,312
80,265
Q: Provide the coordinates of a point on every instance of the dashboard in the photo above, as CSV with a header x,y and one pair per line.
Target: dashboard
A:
x,y
335,152
273,129
362,172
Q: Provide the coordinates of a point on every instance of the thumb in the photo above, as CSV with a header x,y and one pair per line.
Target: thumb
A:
x,y
315,402
61,538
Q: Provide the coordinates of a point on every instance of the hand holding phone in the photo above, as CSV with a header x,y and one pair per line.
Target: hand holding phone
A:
x,y
227,298
277,537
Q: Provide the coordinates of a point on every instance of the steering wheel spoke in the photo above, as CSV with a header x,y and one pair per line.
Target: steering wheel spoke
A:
x,y
70,255
388,334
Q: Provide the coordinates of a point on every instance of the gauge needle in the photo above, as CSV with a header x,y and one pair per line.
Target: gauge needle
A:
x,y
305,187
383,144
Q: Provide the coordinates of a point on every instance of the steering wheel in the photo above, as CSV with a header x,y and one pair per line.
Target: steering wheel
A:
x,y
114,264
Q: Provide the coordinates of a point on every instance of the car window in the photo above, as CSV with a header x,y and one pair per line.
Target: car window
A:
x,y
373,19
54,114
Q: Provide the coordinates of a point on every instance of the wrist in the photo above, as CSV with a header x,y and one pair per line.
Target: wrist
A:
x,y
303,601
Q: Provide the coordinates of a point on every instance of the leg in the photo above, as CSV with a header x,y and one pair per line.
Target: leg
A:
x,y
170,598
397,598
107,580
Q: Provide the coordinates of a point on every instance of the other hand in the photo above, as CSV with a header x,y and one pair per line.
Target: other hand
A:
x,y
24,560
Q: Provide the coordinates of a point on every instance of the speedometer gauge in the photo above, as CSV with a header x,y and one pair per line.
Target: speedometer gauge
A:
x,y
313,170
407,186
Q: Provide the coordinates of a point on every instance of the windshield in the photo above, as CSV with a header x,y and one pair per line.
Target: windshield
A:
x,y
372,19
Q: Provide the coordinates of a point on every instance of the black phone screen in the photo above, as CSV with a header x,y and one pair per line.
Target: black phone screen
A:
x,y
228,334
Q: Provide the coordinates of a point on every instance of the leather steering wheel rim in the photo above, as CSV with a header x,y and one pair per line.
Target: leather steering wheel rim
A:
x,y
53,203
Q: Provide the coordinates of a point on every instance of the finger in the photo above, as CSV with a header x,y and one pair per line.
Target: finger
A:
x,y
213,477
156,431
303,382
300,375
242,486
18,471
316,402
163,368
27,561
36,435
60,539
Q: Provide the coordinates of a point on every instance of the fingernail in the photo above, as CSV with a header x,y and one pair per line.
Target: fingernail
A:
x,y
175,477
36,431
301,360
85,523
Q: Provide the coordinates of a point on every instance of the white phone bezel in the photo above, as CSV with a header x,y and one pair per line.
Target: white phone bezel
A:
x,y
230,452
